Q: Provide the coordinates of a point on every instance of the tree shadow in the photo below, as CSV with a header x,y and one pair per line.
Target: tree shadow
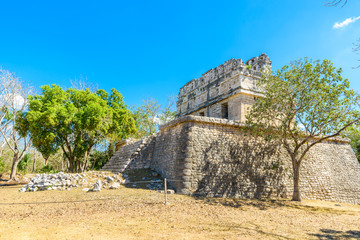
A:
x,y
9,182
253,227
266,203
247,169
334,234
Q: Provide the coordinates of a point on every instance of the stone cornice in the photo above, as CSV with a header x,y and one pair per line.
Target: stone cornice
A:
x,y
226,122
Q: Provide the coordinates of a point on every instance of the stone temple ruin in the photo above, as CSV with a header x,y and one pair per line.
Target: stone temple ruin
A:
x,y
204,151
224,92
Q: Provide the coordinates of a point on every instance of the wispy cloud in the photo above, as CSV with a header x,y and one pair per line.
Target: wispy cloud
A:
x,y
345,22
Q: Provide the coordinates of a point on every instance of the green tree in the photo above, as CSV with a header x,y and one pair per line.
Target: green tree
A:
x,y
303,104
75,121
167,113
353,133
2,165
24,163
98,159
151,114
146,117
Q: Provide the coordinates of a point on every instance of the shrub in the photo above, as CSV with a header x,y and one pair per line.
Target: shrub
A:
x,y
47,169
2,165
98,159
24,163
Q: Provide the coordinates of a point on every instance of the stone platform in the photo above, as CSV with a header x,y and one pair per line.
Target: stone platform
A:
x,y
215,157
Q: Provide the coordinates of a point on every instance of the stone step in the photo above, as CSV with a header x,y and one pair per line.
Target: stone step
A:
x,y
126,155
122,157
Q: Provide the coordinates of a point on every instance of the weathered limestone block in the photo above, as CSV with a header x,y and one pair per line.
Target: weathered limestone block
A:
x,y
214,157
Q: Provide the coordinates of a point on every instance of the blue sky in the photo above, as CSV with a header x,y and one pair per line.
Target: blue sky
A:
x,y
152,48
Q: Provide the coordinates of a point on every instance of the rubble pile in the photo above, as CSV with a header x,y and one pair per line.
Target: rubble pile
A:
x,y
92,181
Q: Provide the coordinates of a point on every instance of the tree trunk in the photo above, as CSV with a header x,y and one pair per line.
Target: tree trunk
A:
x,y
34,163
296,194
67,165
15,163
77,165
84,165
71,164
86,157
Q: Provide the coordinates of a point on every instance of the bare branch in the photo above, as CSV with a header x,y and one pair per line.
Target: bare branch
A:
x,y
82,83
6,140
336,3
327,137
13,99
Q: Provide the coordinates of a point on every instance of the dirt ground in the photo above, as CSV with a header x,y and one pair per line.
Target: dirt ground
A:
x,y
128,213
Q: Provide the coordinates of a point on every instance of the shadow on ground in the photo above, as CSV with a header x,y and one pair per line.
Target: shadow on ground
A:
x,y
6,182
264,204
334,234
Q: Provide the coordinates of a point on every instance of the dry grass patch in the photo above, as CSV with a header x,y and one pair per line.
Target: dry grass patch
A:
x,y
140,214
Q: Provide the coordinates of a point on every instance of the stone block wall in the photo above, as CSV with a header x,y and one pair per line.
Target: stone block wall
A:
x,y
214,157
169,155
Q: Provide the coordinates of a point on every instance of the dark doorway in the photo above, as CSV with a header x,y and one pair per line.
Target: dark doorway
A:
x,y
225,111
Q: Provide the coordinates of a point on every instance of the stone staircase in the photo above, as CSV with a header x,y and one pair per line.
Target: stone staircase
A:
x,y
127,155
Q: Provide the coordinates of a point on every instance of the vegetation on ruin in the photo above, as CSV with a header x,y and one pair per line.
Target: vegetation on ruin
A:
x,y
304,104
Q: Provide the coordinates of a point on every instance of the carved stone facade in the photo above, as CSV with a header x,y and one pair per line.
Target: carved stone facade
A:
x,y
226,91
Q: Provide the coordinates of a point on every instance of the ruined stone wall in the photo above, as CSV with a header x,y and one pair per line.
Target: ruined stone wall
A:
x,y
214,157
331,172
228,82
168,155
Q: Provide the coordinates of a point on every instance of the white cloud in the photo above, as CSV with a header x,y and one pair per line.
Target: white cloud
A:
x,y
346,22
19,101
15,101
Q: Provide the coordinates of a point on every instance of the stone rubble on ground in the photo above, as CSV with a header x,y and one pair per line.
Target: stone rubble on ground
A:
x,y
115,185
97,186
67,181
92,181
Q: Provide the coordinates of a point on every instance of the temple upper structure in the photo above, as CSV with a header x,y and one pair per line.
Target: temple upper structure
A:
x,y
226,91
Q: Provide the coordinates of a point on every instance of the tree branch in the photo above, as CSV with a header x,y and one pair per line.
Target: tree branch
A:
x,y
7,142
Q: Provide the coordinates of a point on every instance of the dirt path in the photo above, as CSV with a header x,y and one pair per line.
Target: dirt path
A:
x,y
140,214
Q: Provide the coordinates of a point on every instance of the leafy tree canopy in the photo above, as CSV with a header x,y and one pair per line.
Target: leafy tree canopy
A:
x,y
75,120
353,133
151,114
303,104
